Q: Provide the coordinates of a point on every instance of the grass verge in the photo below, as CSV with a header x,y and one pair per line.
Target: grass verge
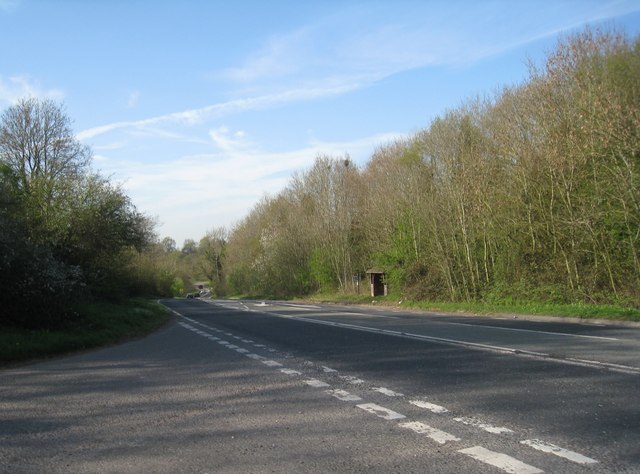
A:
x,y
99,324
580,311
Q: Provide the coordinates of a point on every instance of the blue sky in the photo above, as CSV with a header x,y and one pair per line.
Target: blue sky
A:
x,y
200,108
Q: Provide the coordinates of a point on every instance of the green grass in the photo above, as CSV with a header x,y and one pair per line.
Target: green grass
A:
x,y
100,324
581,311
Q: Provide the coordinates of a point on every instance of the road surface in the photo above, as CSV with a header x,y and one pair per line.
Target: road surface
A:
x,y
249,386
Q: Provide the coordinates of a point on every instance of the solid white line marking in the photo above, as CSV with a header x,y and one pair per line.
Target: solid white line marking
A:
x,y
271,363
499,460
344,395
534,330
382,412
351,379
435,434
558,451
483,426
429,406
387,392
317,383
625,369
301,306
290,372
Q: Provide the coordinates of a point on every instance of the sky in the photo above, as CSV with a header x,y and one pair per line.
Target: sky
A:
x,y
199,109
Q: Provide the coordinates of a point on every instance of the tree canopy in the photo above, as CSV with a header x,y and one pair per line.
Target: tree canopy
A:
x,y
531,194
67,232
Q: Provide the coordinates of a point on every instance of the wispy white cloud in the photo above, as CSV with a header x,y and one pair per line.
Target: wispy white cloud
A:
x,y
218,188
281,56
196,116
443,33
14,88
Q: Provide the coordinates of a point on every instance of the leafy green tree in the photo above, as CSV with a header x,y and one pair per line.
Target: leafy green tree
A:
x,y
67,232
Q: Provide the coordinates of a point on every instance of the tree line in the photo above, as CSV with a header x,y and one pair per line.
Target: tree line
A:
x,y
531,194
67,233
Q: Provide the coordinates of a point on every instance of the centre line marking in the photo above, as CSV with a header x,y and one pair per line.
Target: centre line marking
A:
x,y
429,406
351,379
558,451
382,412
271,363
483,426
255,356
344,395
387,392
499,460
317,383
290,372
435,434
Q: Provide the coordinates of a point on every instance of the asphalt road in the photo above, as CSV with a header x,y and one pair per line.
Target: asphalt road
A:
x,y
274,387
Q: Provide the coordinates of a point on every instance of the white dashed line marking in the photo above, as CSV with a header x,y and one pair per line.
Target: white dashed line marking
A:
x,y
344,395
255,356
317,383
499,460
290,372
483,426
435,434
558,451
351,379
429,406
387,392
382,412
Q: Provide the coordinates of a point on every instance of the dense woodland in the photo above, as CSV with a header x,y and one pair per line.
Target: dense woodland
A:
x,y
532,194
